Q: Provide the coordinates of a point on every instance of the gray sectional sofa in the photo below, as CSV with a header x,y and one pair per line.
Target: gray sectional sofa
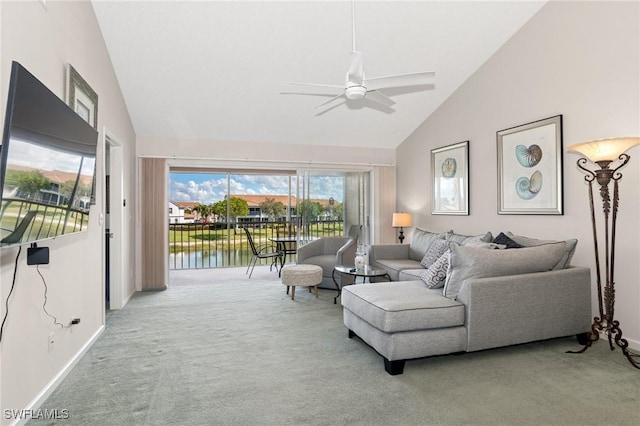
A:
x,y
489,296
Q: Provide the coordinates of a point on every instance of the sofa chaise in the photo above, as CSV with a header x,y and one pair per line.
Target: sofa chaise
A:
x,y
489,297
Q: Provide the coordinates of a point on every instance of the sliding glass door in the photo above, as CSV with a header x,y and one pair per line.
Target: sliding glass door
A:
x,y
333,203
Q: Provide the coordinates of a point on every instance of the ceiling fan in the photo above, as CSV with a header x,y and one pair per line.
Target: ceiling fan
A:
x,y
357,86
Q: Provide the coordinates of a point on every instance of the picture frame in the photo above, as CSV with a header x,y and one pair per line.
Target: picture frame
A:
x,y
530,168
81,97
84,101
450,179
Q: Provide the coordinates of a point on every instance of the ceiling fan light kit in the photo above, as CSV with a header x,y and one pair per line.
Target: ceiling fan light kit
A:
x,y
357,87
355,93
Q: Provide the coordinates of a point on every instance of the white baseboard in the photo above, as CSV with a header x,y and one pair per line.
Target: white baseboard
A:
x,y
634,345
55,382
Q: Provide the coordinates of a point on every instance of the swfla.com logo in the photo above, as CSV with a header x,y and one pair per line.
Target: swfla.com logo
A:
x,y
41,414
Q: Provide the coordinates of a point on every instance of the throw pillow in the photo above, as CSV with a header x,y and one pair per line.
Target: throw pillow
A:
x,y
466,239
437,249
503,239
473,262
421,240
480,244
532,242
436,274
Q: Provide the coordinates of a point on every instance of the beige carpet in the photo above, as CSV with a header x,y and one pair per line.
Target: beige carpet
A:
x,y
219,349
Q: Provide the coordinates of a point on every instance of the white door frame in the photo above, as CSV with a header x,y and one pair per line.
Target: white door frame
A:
x,y
116,220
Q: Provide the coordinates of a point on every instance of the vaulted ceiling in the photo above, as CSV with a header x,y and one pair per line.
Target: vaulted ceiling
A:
x,y
211,70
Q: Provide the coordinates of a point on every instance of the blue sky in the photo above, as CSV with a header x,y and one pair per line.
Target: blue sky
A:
x,y
209,188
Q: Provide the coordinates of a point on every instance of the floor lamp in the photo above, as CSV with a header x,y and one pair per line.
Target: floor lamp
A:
x,y
609,157
401,220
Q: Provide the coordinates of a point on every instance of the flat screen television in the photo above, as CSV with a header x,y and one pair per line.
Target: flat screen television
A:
x,y
47,166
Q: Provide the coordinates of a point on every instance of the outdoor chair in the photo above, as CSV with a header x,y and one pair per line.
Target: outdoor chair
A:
x,y
263,251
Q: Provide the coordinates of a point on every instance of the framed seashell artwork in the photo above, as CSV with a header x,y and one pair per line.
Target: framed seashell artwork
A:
x,y
450,179
530,168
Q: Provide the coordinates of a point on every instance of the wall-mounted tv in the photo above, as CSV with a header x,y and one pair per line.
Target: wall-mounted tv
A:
x,y
47,166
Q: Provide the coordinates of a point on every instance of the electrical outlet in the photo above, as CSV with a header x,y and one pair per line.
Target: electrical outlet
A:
x,y
51,339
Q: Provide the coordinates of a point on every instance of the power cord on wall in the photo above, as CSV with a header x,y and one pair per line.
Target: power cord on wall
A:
x,y
44,305
13,284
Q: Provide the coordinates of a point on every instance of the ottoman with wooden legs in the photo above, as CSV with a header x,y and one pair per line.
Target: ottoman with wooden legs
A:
x,y
301,275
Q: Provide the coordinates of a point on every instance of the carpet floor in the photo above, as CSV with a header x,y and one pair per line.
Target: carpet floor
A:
x,y
219,349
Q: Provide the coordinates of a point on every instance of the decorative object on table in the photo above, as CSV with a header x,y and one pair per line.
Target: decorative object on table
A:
x,y
81,97
360,260
450,179
609,156
530,168
401,220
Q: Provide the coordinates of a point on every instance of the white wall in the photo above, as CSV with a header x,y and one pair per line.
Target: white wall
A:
x,y
578,59
43,41
253,151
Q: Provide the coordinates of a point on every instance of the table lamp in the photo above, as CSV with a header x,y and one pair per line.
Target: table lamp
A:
x,y
401,220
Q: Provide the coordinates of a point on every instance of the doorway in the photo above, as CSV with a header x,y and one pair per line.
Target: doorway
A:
x,y
114,204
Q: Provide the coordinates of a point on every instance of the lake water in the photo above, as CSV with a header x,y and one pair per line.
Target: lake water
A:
x,y
213,259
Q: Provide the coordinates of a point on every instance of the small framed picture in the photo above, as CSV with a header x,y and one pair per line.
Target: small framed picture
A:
x,y
450,179
81,97
530,168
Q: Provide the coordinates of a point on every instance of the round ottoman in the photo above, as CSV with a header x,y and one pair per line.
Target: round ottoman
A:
x,y
303,275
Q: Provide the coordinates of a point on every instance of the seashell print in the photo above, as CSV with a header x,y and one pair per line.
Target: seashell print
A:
x,y
449,167
528,157
527,188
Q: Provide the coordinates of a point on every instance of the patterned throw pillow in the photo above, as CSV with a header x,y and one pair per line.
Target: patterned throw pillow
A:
x,y
436,274
437,249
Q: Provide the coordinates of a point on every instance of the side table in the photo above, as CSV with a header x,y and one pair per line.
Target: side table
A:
x,y
367,272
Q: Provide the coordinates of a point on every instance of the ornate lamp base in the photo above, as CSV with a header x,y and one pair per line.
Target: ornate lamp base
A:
x,y
614,334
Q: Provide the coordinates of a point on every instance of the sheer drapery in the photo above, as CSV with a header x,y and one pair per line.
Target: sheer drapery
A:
x,y
154,172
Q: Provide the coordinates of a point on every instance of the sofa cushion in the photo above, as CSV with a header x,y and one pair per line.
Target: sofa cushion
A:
x,y
402,306
394,266
436,274
465,239
411,274
532,242
473,262
437,249
506,241
421,240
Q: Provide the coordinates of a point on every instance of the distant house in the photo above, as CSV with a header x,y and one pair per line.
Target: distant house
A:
x,y
53,194
254,201
182,211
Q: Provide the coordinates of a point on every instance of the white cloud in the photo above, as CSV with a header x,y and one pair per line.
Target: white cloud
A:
x,y
213,188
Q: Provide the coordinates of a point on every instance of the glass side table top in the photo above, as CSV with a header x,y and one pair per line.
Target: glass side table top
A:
x,y
367,271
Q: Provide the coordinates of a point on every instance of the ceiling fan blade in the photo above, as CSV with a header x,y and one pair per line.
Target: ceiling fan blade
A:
x,y
331,103
356,74
380,98
413,79
312,88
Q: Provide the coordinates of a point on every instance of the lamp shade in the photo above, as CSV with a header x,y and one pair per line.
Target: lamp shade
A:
x,y
604,149
402,220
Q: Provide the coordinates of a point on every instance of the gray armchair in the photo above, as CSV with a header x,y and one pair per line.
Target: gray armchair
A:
x,y
328,252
